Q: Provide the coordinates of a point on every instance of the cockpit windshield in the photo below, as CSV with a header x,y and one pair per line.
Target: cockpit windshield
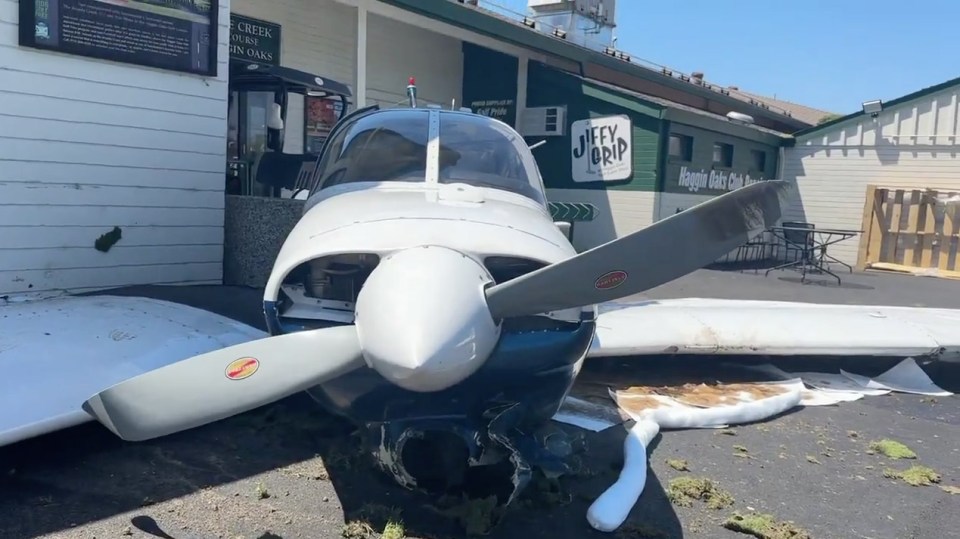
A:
x,y
391,146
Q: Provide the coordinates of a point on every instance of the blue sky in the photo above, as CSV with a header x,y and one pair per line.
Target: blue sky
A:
x,y
828,54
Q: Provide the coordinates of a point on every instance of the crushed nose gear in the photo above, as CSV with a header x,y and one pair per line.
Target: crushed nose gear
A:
x,y
440,455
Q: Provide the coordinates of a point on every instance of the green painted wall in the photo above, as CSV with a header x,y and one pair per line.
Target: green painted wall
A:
x,y
719,179
490,82
548,87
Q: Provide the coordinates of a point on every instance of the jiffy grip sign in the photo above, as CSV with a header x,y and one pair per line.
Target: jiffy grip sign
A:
x,y
601,149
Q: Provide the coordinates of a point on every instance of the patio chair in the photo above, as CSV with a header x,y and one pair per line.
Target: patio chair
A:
x,y
756,250
800,242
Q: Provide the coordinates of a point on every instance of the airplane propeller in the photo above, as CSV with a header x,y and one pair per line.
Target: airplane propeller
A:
x,y
657,254
426,320
225,382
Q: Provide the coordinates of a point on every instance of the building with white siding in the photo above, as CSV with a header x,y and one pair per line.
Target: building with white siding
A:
x,y
114,163
912,142
93,143
87,145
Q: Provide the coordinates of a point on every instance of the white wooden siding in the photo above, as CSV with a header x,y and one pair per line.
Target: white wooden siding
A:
x,y
86,145
397,51
618,213
317,36
912,145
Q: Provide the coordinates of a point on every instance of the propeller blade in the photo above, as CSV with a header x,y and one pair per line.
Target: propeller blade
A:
x,y
659,253
225,382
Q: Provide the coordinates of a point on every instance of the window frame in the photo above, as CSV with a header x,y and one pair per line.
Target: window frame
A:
x,y
726,159
686,150
758,167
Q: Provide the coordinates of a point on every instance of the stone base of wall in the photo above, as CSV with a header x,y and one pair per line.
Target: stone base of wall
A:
x,y
254,230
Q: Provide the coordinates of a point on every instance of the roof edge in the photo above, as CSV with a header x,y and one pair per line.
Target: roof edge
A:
x,y
451,12
923,92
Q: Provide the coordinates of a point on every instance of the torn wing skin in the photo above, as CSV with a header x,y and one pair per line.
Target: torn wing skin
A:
x,y
748,327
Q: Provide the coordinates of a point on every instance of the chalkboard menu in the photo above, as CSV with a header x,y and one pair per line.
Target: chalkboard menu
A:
x,y
178,35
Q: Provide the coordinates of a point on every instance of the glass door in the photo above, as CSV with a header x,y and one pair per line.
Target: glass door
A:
x,y
246,138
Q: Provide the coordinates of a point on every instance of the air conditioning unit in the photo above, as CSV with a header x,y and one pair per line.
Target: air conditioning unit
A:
x,y
543,121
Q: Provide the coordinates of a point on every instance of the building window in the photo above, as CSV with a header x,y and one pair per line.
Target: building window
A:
x,y
681,147
758,160
723,154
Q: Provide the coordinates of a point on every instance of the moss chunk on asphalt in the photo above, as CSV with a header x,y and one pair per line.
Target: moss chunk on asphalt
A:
x,y
683,491
393,530
892,449
917,476
678,464
764,526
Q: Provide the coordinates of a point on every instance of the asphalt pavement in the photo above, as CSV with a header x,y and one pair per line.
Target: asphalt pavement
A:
x,y
290,470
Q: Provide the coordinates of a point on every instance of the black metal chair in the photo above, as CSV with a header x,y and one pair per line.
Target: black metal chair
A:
x,y
800,242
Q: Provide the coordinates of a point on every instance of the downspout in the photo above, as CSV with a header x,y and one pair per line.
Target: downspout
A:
x,y
661,180
361,54
521,102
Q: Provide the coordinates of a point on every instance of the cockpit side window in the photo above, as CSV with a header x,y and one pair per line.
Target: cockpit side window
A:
x,y
381,147
477,151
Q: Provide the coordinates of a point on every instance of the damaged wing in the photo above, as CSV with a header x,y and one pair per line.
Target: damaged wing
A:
x,y
776,328
56,353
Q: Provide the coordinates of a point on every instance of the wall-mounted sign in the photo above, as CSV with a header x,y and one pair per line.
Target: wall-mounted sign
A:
x,y
179,35
711,181
253,40
501,109
602,149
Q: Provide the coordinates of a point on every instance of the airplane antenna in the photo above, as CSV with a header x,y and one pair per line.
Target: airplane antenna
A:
x,y
538,144
412,92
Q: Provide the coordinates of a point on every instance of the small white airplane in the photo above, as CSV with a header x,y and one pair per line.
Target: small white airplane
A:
x,y
427,294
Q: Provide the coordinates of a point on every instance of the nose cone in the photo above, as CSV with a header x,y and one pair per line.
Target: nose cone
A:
x,y
422,318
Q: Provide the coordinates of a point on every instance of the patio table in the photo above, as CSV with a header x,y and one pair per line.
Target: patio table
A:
x,y
812,245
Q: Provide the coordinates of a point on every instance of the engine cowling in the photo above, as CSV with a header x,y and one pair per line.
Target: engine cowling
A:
x,y
422,318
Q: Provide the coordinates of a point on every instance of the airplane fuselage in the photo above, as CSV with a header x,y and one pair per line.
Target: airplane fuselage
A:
x,y
534,360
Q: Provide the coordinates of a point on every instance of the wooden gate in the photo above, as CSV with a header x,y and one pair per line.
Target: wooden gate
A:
x,y
911,230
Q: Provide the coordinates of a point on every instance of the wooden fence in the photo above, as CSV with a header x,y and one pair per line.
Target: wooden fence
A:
x,y
913,230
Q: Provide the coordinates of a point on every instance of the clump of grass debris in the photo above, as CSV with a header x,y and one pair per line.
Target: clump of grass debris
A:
x,y
634,530
679,464
363,526
917,476
261,491
683,491
950,489
764,526
357,530
812,459
545,492
892,449
393,530
476,516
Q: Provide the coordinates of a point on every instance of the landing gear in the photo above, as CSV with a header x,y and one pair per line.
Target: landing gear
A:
x,y
448,456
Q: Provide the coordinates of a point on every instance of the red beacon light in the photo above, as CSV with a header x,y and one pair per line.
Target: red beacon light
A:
x,y
412,92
